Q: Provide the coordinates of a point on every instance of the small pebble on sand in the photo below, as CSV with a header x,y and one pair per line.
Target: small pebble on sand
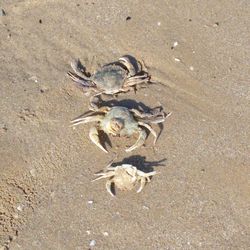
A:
x,y
191,68
88,232
5,128
43,89
33,78
92,243
33,172
2,12
15,216
105,234
177,59
20,207
175,44
52,195
159,23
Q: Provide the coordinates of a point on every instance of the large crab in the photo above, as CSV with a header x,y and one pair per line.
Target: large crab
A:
x,y
124,177
112,78
120,121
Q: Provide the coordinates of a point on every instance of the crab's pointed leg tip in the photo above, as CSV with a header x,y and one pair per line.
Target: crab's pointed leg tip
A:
x,y
104,150
110,192
128,150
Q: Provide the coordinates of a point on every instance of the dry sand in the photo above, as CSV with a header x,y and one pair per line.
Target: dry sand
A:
x,y
199,199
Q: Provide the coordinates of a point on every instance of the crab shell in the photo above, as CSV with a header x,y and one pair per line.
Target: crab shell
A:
x,y
110,78
120,121
119,76
124,177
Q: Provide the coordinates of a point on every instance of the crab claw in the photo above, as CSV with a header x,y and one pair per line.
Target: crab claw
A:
x,y
94,137
141,139
79,77
128,64
150,129
78,68
82,83
108,187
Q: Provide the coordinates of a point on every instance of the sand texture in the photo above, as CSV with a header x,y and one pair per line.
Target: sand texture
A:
x,y
198,53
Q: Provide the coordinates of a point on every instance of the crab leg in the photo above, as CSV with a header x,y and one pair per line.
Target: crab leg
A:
x,y
103,175
141,139
94,137
133,82
126,89
160,118
93,104
108,187
82,120
152,118
146,175
143,182
145,76
109,166
141,114
132,172
150,129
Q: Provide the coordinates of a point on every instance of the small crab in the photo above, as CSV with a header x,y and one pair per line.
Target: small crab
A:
x,y
120,121
119,76
124,177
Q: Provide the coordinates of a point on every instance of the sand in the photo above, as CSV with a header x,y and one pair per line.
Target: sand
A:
x,y
198,53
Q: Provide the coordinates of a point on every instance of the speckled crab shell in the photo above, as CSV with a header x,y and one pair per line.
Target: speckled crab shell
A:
x,y
110,78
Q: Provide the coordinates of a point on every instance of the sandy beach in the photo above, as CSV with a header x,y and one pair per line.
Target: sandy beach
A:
x,y
197,53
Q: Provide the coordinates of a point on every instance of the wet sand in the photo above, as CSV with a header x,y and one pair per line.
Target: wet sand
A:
x,y
199,199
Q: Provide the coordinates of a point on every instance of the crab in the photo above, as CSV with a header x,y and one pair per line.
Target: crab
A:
x,y
120,121
124,177
112,78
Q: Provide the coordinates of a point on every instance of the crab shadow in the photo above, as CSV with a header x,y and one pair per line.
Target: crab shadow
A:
x,y
141,163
